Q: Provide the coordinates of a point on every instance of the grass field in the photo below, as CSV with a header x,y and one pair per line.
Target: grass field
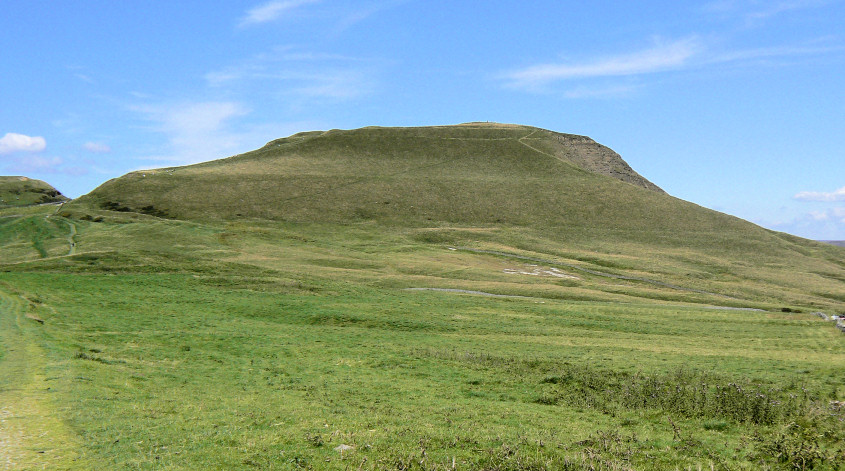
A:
x,y
142,343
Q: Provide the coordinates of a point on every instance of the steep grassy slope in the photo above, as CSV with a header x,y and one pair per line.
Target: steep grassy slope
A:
x,y
22,191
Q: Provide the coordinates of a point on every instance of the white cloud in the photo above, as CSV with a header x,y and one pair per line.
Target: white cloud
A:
x,y
828,224
97,147
690,53
836,195
660,57
271,11
832,214
819,215
13,142
196,131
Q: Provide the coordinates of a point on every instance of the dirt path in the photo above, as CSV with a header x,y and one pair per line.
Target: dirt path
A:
x,y
71,238
31,434
521,140
468,291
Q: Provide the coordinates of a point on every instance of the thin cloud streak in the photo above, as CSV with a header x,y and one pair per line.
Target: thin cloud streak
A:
x,y
300,75
772,52
271,11
776,8
836,195
661,57
679,55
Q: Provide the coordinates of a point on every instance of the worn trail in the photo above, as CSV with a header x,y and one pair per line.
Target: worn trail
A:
x,y
32,435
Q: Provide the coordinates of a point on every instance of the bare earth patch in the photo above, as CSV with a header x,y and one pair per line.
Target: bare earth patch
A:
x,y
536,270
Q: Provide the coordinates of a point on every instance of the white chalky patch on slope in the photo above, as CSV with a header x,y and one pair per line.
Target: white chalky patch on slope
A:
x,y
534,270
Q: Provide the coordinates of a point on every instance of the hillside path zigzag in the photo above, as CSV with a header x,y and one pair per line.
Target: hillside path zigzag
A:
x,y
521,140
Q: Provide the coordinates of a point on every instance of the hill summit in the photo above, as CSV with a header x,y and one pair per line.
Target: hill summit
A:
x,y
23,191
457,173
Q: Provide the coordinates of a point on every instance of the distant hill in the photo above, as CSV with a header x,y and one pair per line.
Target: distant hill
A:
x,y
840,243
23,191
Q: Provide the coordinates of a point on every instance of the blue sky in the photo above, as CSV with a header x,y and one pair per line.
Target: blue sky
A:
x,y
736,105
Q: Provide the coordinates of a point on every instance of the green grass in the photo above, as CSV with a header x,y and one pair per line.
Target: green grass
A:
x,y
180,345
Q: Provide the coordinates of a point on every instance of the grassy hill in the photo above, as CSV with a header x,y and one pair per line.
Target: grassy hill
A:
x,y
489,186
481,296
472,174
23,191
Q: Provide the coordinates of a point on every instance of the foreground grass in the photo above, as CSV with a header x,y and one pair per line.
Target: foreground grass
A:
x,y
170,345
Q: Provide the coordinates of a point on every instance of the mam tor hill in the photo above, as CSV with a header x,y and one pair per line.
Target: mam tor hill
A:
x,y
492,186
468,174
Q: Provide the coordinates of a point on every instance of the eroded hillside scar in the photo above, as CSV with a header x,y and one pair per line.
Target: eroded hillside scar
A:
x,y
592,272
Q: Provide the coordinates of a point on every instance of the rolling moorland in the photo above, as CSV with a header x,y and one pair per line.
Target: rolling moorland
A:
x,y
480,296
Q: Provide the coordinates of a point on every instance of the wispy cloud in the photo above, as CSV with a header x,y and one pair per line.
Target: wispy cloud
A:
x,y
97,147
770,9
35,164
836,195
271,11
196,131
660,57
827,224
690,53
754,11
13,142
207,130
362,11
300,75
813,49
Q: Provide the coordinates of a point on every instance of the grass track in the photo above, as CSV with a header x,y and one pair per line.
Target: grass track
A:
x,y
33,434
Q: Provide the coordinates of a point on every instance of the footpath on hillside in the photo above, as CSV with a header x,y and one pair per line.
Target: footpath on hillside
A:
x,y
32,436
